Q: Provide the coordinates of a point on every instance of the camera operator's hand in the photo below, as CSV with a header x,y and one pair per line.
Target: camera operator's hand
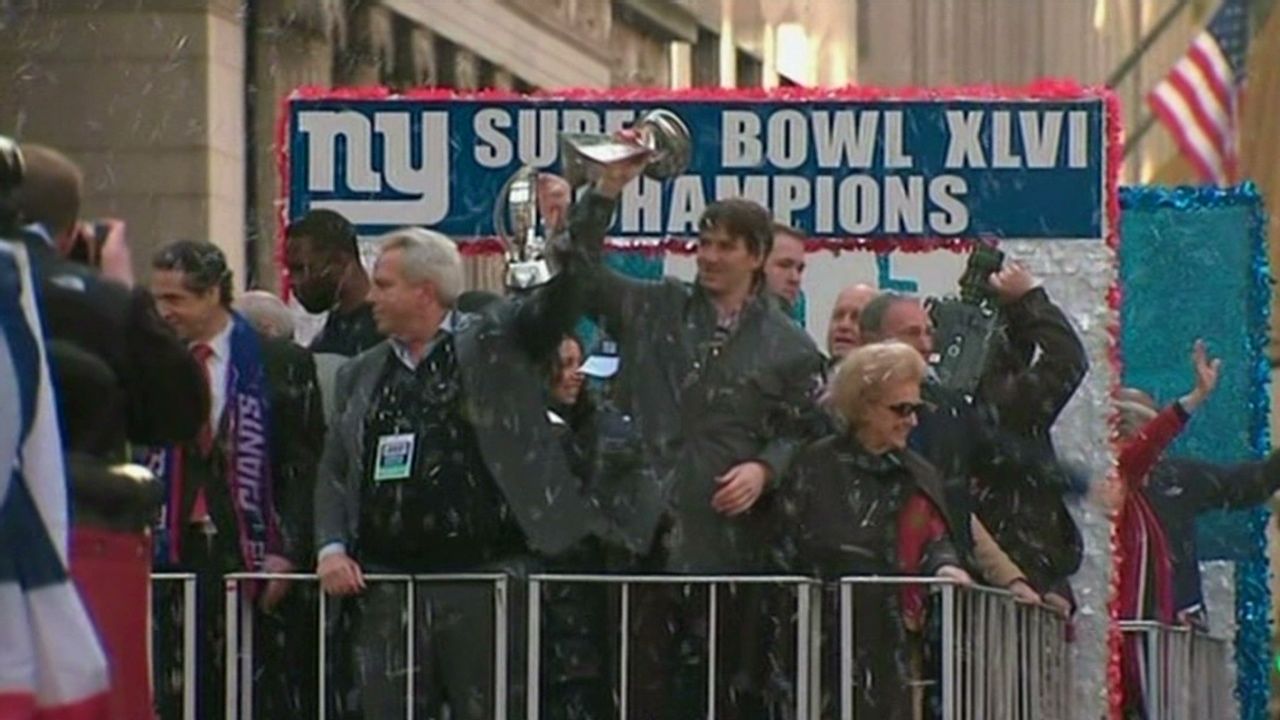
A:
x,y
116,260
1012,282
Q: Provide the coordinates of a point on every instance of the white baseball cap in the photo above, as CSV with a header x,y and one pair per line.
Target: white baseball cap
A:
x,y
602,364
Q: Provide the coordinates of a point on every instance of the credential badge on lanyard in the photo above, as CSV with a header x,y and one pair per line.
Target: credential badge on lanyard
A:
x,y
394,459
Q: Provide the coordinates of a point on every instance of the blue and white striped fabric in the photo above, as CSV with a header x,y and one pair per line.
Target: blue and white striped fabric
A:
x,y
51,664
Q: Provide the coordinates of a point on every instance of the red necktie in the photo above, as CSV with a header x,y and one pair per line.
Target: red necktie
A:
x,y
202,353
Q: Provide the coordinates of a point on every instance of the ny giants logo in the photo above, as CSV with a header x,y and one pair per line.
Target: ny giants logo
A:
x,y
389,188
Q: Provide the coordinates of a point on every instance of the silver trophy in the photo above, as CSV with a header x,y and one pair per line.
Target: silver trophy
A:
x,y
518,224
662,135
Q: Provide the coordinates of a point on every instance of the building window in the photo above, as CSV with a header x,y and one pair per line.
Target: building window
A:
x,y
863,23
706,59
750,70
446,63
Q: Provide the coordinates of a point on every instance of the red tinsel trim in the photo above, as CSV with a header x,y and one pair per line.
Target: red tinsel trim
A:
x,y
1044,89
491,245
1115,296
282,205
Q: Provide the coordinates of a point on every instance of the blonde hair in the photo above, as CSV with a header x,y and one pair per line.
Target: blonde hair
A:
x,y
429,256
863,373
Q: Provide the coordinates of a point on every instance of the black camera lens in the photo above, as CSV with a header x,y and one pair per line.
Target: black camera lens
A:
x,y
11,165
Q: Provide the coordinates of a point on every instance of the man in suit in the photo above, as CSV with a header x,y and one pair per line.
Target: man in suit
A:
x,y
722,385
843,334
440,459
239,496
784,268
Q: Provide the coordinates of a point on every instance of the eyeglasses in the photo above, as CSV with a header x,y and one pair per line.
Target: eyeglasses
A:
x,y
906,409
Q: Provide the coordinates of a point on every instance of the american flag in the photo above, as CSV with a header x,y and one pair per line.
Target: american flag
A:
x,y
1199,100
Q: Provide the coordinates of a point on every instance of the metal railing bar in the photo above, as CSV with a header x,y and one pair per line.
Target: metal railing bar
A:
x,y
501,600
535,648
410,648
712,631
678,579
624,646
188,646
232,667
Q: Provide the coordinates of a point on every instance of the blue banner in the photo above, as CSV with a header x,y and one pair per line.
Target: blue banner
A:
x,y
837,169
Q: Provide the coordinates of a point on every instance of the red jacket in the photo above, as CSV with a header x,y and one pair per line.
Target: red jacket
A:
x,y
1138,527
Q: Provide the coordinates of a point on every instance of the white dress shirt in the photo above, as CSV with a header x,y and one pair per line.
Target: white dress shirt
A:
x,y
217,368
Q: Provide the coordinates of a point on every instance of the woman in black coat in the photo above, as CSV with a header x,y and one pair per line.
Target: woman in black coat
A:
x,y
860,503
577,684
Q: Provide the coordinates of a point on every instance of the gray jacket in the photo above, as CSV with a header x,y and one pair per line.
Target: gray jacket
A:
x,y
500,353
701,411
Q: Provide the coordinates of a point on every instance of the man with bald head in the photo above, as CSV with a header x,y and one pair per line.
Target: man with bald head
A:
x,y
843,333
890,316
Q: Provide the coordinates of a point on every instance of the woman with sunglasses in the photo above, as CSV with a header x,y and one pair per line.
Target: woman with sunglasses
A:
x,y
859,502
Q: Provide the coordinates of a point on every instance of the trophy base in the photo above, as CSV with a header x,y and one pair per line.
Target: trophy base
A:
x,y
526,275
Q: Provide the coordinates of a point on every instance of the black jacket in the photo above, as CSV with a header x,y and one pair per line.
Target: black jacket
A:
x,y
155,373
500,353
839,515
122,377
1030,379
832,482
296,435
1025,387
968,450
1181,489
702,410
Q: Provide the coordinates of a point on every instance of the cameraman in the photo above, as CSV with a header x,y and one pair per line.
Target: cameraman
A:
x,y
153,377
1026,382
122,377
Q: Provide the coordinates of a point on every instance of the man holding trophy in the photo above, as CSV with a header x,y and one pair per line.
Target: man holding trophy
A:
x,y
439,458
721,383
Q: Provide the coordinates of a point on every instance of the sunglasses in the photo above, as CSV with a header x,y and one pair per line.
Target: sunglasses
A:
x,y
906,409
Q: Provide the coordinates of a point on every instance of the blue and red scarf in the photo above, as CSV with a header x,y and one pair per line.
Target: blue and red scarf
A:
x,y
244,439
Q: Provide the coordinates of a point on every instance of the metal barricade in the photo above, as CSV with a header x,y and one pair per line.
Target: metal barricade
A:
x,y
240,613
1185,672
998,659
187,581
808,606
1213,687
989,656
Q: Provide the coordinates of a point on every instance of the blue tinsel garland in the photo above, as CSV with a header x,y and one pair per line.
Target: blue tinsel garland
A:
x,y
1253,596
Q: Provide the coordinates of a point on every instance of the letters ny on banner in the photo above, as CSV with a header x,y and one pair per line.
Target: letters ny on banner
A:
x,y
934,168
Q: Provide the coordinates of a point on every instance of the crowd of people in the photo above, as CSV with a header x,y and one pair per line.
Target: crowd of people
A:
x,y
430,428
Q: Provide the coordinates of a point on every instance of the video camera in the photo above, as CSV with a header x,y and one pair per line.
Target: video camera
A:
x,y
12,169
967,328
